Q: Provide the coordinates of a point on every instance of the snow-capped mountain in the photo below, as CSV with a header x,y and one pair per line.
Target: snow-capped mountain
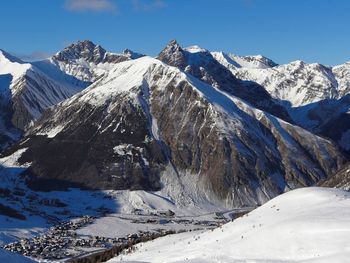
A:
x,y
233,61
296,83
315,96
148,125
27,89
184,123
85,61
194,131
202,64
304,225
25,93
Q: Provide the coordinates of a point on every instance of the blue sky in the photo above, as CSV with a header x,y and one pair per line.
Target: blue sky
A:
x,y
283,30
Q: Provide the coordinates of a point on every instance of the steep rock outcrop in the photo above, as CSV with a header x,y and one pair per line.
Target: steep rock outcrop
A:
x,y
126,130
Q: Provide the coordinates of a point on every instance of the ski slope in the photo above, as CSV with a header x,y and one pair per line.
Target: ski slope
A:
x,y
304,225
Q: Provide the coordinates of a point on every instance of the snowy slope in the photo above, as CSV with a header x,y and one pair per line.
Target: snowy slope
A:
x,y
12,65
30,88
203,65
115,211
304,225
84,62
28,91
123,126
252,62
297,83
315,96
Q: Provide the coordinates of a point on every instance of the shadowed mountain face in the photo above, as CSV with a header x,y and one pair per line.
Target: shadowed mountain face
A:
x,y
315,96
25,92
28,89
184,124
339,180
201,64
146,123
87,61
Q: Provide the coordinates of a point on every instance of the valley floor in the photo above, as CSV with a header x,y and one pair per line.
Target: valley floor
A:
x,y
305,225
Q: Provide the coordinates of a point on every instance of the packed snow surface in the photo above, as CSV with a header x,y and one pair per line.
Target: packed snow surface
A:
x,y
304,225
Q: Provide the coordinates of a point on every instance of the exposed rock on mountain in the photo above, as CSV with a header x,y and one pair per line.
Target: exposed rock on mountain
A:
x,y
146,123
86,61
188,127
201,64
27,89
25,93
314,95
340,180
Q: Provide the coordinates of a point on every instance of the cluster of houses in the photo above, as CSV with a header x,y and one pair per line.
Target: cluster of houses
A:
x,y
62,242
56,242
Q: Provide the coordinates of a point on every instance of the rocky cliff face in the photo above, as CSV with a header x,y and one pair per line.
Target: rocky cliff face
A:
x,y
340,180
28,89
129,129
315,96
201,64
86,61
25,93
184,123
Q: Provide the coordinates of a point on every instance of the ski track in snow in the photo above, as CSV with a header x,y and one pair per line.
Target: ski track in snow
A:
x,y
304,225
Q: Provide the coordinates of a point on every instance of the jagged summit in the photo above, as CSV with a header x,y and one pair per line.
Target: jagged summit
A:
x,y
82,49
131,54
173,55
205,66
173,43
86,61
91,53
144,122
115,115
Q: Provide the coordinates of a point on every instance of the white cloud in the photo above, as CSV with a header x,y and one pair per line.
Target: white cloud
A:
x,y
91,6
36,55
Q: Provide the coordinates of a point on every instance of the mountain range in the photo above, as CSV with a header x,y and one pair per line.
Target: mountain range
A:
x,y
199,126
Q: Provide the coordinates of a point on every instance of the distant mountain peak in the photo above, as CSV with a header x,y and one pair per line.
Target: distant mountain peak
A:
x,y
131,54
250,61
86,50
262,59
173,46
173,42
173,55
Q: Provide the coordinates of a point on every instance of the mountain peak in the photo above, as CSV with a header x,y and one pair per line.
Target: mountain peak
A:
x,y
85,49
173,46
131,54
173,42
173,55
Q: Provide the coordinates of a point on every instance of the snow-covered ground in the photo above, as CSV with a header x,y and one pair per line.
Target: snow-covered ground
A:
x,y
118,213
304,225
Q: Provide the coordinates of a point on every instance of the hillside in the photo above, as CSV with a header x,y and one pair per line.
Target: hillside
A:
x,y
304,225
